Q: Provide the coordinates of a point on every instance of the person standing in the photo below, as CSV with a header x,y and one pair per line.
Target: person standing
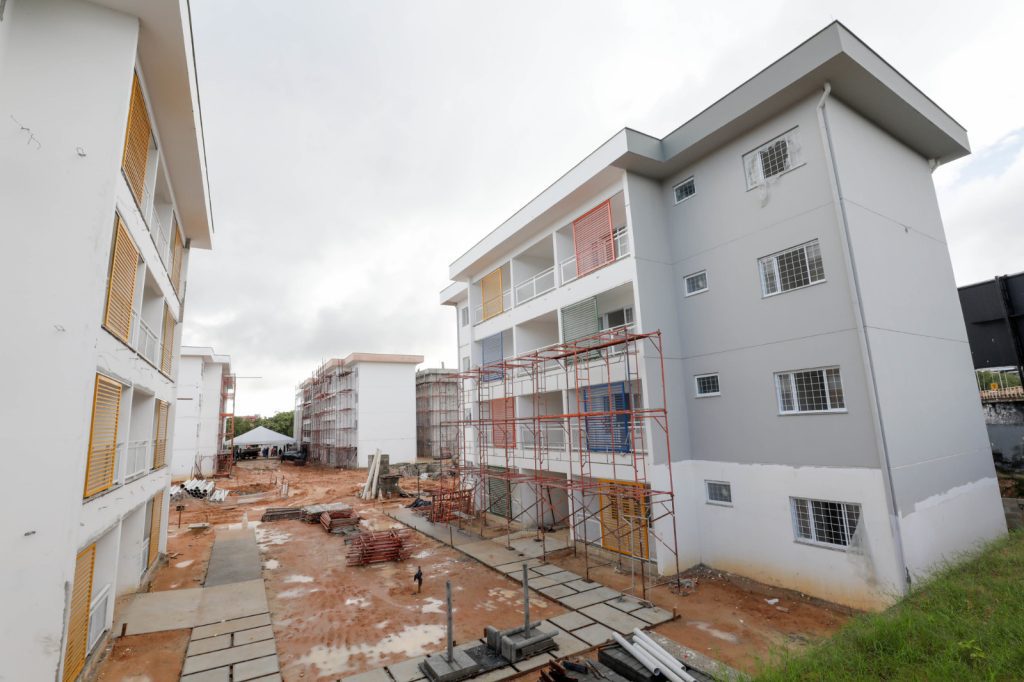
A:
x,y
418,578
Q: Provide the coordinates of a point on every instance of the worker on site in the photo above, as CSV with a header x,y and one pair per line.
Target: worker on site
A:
x,y
419,579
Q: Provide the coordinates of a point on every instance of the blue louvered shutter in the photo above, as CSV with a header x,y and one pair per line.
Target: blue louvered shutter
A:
x,y
607,433
491,351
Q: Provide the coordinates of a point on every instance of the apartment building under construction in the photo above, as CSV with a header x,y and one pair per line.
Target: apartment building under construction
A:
x,y
437,408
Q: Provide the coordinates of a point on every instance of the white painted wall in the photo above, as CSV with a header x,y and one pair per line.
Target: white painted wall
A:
x,y
386,411
197,424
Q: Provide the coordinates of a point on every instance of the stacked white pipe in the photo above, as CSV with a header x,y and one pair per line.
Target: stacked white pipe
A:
x,y
650,655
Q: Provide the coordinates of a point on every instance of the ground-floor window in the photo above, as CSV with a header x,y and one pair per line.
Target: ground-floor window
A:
x,y
823,522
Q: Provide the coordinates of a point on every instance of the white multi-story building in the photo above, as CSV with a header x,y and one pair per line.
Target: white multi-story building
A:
x,y
205,393
103,195
826,433
350,408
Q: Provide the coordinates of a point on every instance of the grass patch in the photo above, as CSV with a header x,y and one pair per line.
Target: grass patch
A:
x,y
965,623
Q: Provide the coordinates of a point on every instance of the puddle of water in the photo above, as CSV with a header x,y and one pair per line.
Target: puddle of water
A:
x,y
299,579
266,538
714,632
296,593
360,602
433,606
271,564
413,640
184,564
423,555
245,524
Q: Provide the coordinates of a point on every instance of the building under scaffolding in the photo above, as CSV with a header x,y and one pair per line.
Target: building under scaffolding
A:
x,y
354,406
560,440
437,406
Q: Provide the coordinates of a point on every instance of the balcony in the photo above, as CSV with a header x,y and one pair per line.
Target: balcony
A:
x,y
138,456
144,340
540,283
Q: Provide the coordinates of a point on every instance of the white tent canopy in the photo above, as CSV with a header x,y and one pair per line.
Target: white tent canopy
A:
x,y
261,435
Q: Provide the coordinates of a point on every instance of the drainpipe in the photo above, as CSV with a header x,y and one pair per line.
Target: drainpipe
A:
x,y
865,343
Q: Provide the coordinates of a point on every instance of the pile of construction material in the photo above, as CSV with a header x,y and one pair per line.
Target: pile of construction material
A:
x,y
643,660
281,513
340,521
198,488
378,465
373,547
311,513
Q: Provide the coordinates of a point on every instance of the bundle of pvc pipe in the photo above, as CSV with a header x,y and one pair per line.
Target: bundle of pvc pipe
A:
x,y
645,659
666,660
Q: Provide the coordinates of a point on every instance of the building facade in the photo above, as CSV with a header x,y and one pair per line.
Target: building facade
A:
x,y
205,396
786,242
437,411
103,195
349,408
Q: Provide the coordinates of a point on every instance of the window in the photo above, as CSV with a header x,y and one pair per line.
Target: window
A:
x,y
465,364
617,318
464,313
124,263
794,268
824,523
684,190
772,159
811,390
719,492
697,282
707,385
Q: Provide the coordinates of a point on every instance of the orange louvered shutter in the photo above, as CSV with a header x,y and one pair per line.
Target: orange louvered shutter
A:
x,y
624,518
491,293
167,341
154,528
136,141
160,434
593,235
503,415
102,457
124,263
176,259
78,614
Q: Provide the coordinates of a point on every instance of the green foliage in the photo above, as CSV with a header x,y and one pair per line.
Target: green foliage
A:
x,y
1001,379
965,623
281,422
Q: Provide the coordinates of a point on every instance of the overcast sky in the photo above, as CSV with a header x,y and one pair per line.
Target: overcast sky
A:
x,y
355,149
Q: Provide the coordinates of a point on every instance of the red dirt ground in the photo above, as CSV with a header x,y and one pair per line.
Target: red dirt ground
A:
x,y
156,657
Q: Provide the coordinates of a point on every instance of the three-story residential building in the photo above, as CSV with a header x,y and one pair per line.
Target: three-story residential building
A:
x,y
786,242
103,195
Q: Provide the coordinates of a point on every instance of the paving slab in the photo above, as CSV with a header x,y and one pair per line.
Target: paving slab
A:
x,y
159,611
408,670
556,591
490,553
497,675
613,618
215,675
376,675
205,646
567,644
593,634
583,585
561,577
234,625
276,677
574,620
517,566
578,601
235,558
533,662
653,615
254,635
259,667
627,603
235,654
547,569
234,600
538,582
694,659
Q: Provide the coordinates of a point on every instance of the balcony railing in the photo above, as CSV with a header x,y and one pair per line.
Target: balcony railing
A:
x,y
98,616
506,305
567,269
621,242
540,283
138,456
145,340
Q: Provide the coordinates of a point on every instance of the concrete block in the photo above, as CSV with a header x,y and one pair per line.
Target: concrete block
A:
x,y
254,635
597,595
439,669
571,621
593,634
205,646
235,600
236,654
250,670
408,670
231,626
619,621
215,675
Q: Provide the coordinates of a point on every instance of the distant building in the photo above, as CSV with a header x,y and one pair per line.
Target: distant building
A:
x,y
437,408
104,197
205,385
351,407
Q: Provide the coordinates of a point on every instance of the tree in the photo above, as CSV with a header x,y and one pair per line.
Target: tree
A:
x,y
281,422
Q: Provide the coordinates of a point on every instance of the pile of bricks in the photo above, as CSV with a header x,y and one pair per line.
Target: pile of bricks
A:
x,y
377,546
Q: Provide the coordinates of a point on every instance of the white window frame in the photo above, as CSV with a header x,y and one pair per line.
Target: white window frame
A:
x,y
707,493
790,376
686,283
675,192
773,259
464,316
753,169
696,385
848,533
627,315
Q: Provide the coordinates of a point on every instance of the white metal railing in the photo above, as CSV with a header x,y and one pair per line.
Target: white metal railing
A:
x,y
540,283
148,344
137,458
621,242
506,305
567,269
98,616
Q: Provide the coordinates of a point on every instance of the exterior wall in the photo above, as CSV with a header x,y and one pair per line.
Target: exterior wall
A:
x,y
197,422
386,411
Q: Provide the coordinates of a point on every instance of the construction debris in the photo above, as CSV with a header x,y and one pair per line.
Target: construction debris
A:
x,y
281,513
311,514
338,521
373,547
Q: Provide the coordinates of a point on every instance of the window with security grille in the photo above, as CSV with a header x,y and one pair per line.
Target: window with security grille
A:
x,y
823,522
707,385
791,269
772,159
696,283
810,390
685,189
719,492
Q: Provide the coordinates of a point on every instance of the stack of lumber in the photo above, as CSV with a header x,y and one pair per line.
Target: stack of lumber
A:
x,y
377,546
338,521
281,513
311,514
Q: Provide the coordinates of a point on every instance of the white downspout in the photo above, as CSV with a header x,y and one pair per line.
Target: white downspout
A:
x,y
865,343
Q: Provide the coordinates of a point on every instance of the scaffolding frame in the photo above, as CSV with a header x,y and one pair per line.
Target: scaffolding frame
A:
x,y
437,406
604,438
226,428
331,405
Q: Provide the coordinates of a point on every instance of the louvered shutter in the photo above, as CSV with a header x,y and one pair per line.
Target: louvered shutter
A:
x,y
124,263
491,351
178,255
154,528
593,236
136,142
503,425
491,293
167,341
78,614
160,434
580,320
498,493
102,456
624,518
607,433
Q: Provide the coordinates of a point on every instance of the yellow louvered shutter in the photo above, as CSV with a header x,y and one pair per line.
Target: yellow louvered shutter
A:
x,y
78,617
124,263
624,519
491,293
160,434
167,341
177,258
136,142
154,528
106,405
